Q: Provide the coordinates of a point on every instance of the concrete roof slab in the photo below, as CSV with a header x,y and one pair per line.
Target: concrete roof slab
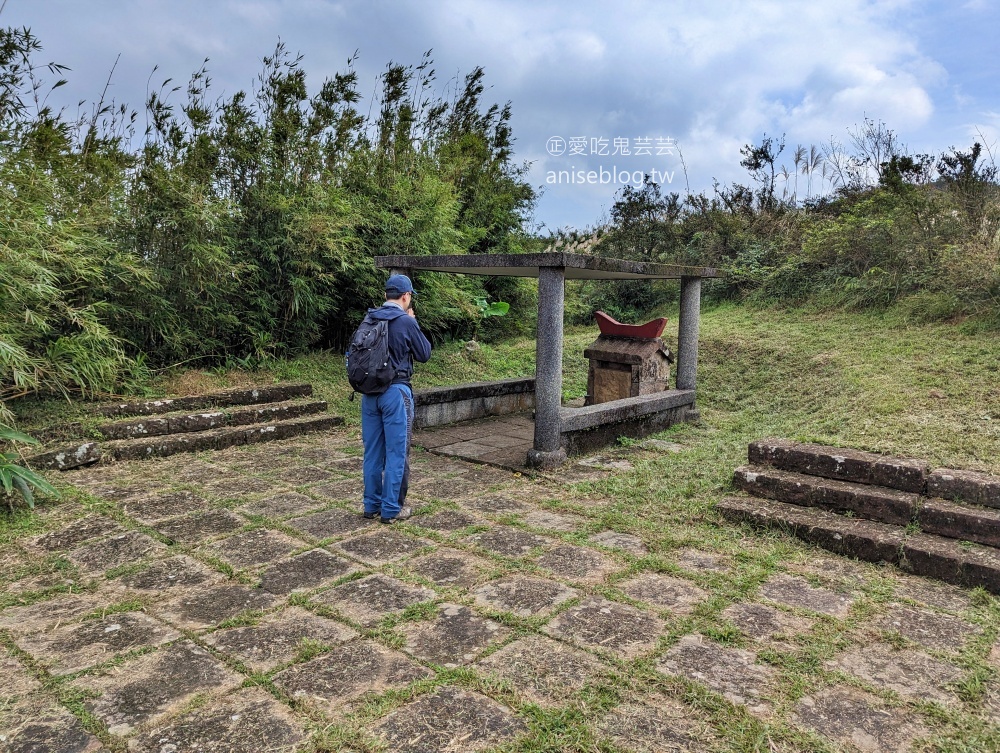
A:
x,y
577,266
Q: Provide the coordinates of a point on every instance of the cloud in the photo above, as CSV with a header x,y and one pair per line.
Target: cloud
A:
x,y
714,74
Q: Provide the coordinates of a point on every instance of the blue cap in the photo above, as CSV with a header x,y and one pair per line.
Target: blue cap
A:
x,y
396,285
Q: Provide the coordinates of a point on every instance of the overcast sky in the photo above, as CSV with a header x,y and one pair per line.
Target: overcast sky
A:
x,y
600,93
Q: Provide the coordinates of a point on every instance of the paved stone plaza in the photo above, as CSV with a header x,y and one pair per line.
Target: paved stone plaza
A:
x,y
237,601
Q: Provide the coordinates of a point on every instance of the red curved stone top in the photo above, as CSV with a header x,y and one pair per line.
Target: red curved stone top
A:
x,y
609,326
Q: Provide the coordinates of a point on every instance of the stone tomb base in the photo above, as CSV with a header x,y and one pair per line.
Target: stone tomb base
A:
x,y
504,440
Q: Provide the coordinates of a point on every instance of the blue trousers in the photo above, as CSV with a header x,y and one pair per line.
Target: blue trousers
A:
x,y
386,429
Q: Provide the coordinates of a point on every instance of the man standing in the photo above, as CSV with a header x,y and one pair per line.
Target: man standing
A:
x,y
387,419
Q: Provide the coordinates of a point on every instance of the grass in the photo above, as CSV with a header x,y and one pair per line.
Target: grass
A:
x,y
859,380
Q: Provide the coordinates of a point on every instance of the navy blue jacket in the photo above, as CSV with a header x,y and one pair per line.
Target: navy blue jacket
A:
x,y
406,341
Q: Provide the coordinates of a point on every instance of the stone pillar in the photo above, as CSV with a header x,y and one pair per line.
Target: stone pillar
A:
x,y
687,335
548,452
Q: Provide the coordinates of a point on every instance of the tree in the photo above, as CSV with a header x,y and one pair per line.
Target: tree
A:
x,y
760,162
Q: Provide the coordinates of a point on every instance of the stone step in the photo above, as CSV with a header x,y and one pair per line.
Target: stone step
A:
x,y
66,458
967,486
841,463
864,539
215,439
919,553
88,453
870,502
955,520
934,516
179,423
222,399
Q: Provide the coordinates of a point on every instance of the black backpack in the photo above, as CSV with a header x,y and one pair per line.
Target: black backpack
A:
x,y
368,367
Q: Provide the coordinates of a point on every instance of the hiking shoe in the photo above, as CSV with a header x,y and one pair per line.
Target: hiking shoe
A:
x,y
371,515
403,514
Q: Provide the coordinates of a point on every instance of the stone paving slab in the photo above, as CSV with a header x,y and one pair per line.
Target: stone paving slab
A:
x,y
797,592
17,681
115,551
523,595
103,483
159,507
542,670
303,476
163,577
991,706
763,622
250,549
912,674
76,533
508,541
605,462
603,625
579,564
435,487
335,680
186,470
700,561
372,598
489,478
450,568
277,639
341,489
207,607
381,547
449,720
468,449
933,594
44,615
494,504
547,520
456,636
281,505
249,721
146,689
69,649
731,672
349,464
123,492
446,521
44,582
304,572
425,462
665,592
39,725
330,523
931,630
852,717
840,572
624,541
199,527
240,487
642,728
